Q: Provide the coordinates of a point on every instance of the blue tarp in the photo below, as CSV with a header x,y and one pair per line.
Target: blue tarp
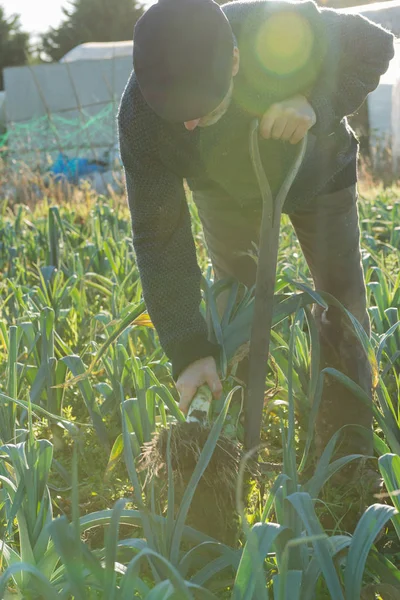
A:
x,y
73,169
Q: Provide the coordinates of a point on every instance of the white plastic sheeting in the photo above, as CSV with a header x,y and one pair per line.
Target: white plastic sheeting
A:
x,y
396,119
384,111
92,76
386,14
99,51
380,100
384,102
68,107
2,110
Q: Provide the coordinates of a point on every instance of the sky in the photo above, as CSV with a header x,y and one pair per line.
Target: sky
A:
x,y
38,15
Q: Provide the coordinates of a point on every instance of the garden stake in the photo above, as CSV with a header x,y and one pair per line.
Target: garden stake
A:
x,y
265,286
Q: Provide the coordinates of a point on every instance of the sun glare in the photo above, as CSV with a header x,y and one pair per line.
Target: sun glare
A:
x,y
284,43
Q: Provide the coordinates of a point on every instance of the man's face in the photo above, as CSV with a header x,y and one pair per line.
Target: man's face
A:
x,y
218,112
214,116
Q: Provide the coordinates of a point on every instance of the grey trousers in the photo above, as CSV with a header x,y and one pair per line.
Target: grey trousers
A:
x,y
329,235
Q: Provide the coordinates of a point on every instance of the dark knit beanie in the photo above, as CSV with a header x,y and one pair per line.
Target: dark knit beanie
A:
x,y
183,57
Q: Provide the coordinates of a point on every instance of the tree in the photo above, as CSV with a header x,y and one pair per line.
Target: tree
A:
x,y
14,44
92,21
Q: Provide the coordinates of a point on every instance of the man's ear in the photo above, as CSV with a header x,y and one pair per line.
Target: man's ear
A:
x,y
236,61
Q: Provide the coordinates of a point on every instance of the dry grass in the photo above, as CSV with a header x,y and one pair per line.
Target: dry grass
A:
x,y
23,185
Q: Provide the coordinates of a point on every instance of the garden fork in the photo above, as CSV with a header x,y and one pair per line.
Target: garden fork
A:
x,y
265,285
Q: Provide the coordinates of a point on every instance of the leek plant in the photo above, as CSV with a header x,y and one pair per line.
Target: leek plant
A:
x,y
78,352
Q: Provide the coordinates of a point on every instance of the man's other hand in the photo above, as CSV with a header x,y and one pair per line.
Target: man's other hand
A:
x,y
288,120
202,371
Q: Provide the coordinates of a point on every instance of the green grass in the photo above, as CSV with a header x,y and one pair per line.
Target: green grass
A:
x,y
84,384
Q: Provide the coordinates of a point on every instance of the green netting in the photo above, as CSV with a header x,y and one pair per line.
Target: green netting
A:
x,y
41,139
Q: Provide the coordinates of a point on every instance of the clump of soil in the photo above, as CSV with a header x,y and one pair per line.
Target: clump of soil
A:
x,y
213,508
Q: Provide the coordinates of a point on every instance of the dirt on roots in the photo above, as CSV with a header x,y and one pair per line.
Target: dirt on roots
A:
x,y
213,508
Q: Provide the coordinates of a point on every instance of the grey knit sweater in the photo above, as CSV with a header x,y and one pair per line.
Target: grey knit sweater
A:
x,y
342,61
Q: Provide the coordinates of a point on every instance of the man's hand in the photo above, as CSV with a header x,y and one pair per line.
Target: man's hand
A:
x,y
203,371
288,120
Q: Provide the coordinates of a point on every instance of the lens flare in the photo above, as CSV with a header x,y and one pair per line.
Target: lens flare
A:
x,y
284,43
281,55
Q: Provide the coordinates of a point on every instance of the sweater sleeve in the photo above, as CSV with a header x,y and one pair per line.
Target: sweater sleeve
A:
x,y
162,238
358,52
